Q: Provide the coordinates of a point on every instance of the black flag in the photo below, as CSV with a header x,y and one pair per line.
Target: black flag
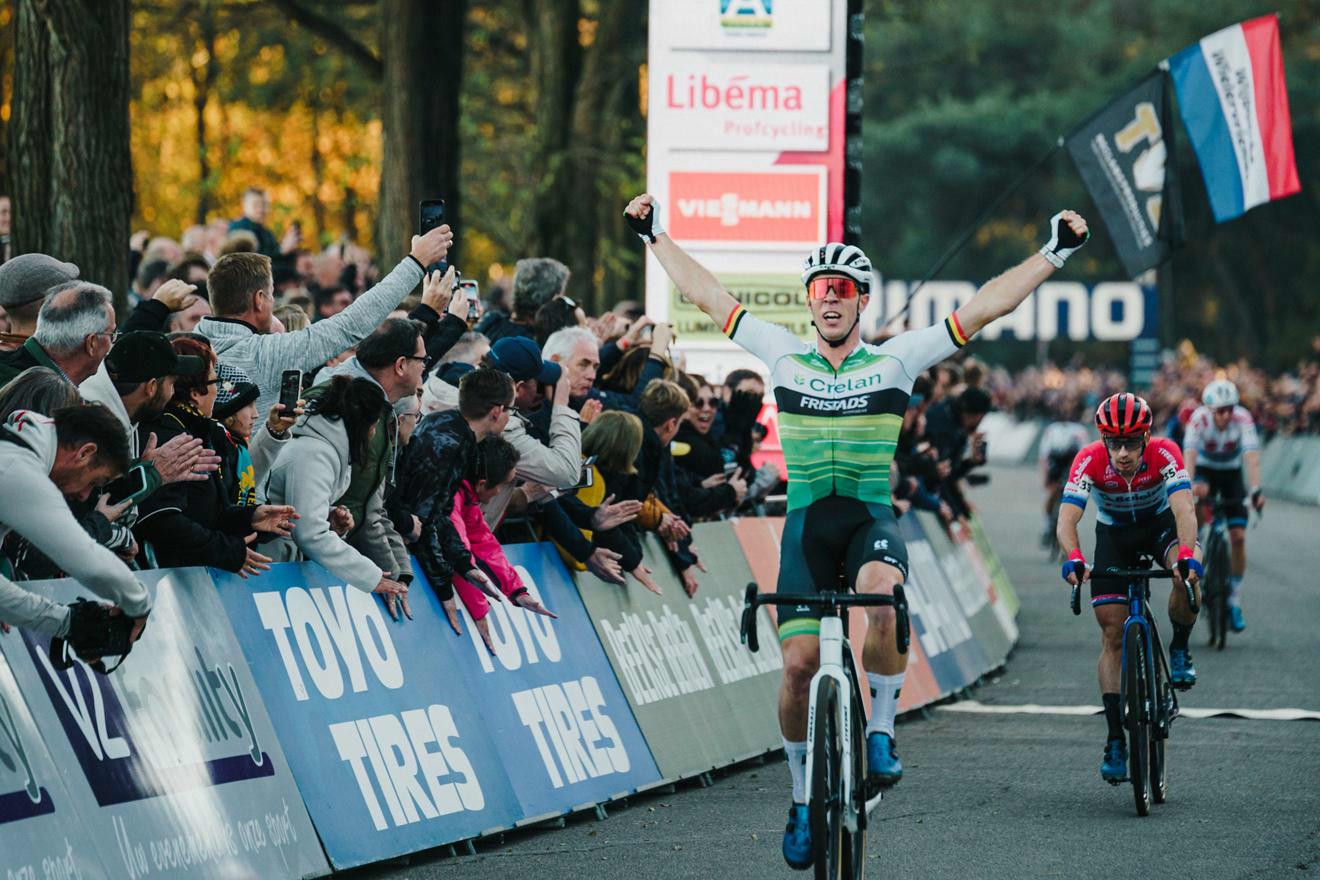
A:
x,y
1125,153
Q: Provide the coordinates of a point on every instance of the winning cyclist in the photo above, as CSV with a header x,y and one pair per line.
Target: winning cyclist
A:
x,y
841,405
1143,509
1059,444
1221,435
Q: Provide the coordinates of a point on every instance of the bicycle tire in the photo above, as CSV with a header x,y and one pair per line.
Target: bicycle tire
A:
x,y
1159,768
1222,562
826,813
1138,719
854,842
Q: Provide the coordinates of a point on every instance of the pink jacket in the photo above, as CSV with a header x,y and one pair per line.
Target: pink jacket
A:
x,y
486,552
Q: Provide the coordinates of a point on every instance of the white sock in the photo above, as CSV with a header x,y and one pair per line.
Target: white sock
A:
x,y
797,765
884,701
1234,591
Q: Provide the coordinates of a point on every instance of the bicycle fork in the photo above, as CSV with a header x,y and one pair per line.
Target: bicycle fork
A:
x,y
831,666
1137,620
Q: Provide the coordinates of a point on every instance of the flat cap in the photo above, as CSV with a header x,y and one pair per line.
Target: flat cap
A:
x,y
27,277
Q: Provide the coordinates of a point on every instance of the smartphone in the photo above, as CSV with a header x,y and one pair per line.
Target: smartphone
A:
x,y
431,213
290,389
470,289
131,487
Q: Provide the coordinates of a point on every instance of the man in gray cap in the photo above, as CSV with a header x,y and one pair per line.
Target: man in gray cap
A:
x,y
24,282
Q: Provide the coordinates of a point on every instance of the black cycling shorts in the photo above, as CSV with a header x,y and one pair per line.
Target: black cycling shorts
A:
x,y
1130,545
1057,465
1228,493
824,538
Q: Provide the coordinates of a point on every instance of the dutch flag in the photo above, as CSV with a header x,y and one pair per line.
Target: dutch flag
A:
x,y
1234,102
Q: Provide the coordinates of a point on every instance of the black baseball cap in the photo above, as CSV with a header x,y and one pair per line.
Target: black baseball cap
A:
x,y
146,354
520,357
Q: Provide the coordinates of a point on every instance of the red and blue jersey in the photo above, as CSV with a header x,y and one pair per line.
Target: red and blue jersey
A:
x,y
1118,499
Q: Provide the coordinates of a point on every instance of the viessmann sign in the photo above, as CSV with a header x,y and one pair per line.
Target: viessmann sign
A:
x,y
746,107
738,209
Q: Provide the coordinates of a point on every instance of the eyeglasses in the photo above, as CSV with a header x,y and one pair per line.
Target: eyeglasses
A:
x,y
211,381
819,287
426,361
1133,443
703,402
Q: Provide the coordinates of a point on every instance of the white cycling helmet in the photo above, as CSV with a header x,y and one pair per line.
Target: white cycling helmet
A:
x,y
838,259
1220,392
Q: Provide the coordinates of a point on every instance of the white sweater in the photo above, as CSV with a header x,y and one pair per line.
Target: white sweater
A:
x,y
32,506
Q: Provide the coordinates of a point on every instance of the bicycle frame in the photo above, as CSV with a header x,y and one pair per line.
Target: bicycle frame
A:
x,y
833,645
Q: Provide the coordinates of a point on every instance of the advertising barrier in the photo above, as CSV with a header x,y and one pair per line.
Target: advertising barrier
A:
x,y
171,762
701,698
1288,469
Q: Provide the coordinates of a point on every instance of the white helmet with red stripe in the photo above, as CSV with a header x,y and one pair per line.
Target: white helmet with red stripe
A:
x,y
838,259
1220,393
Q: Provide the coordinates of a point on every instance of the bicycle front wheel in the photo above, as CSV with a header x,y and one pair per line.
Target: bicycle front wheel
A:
x,y
826,812
1137,686
854,842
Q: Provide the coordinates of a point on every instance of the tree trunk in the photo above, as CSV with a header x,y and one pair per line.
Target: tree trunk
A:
x,y
422,52
203,83
69,136
556,66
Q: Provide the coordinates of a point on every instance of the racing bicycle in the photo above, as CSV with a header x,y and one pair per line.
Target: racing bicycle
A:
x,y
837,800
1214,591
1146,696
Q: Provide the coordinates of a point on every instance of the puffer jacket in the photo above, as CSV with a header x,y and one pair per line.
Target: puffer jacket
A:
x,y
486,553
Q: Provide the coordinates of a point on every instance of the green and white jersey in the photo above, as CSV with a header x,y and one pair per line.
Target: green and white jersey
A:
x,y
839,428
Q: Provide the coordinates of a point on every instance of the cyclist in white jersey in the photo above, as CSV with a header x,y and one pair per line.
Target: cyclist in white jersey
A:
x,y
841,405
1220,438
1059,444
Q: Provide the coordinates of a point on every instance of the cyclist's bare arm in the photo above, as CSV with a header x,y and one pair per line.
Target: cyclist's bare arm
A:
x,y
1189,462
1066,531
1003,294
692,279
1252,458
1184,518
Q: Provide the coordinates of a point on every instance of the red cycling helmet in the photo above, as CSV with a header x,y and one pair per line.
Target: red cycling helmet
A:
x,y
1123,415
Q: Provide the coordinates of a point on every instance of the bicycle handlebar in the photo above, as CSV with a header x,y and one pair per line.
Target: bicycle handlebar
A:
x,y
752,599
1149,574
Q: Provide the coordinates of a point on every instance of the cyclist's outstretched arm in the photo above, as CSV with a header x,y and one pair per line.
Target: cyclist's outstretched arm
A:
x,y
1252,458
693,280
1003,294
1066,531
1189,462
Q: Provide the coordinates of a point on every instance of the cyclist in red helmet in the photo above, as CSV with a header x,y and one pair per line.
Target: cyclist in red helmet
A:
x,y
1144,510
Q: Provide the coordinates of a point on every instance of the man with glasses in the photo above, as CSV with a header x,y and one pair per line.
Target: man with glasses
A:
x,y
75,329
841,405
1221,437
1144,510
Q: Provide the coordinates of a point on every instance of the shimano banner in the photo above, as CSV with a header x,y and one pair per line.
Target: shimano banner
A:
x,y
171,760
548,695
386,741
701,698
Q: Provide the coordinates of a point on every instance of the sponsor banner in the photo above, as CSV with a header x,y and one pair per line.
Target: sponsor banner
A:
x,y
744,106
386,742
971,586
701,698
746,25
172,760
776,297
1004,594
40,826
548,694
774,208
938,623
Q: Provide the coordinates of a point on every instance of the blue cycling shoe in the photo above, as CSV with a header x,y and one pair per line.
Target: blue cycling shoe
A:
x,y
797,838
1113,769
883,768
1182,674
1235,619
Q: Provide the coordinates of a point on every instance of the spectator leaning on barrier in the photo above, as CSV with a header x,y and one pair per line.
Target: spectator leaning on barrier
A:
x,y
74,330
663,406
431,471
314,469
43,459
490,471
242,296
25,282
195,523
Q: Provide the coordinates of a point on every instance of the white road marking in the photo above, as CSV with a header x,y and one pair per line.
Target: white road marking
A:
x,y
977,707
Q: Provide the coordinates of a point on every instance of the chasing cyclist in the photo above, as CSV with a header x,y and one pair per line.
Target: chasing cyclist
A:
x,y
841,405
1221,436
1059,444
1144,509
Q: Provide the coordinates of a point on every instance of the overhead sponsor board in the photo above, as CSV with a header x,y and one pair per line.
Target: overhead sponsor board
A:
x,y
172,760
778,298
701,698
390,753
549,696
744,106
772,209
40,826
747,25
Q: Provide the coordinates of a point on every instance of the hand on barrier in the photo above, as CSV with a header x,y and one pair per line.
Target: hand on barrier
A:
x,y
483,630
1068,232
276,519
610,515
254,563
451,611
525,601
395,594
690,582
604,564
643,576
643,216
478,579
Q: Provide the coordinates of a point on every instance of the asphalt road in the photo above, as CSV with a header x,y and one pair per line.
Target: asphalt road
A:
x,y
1019,795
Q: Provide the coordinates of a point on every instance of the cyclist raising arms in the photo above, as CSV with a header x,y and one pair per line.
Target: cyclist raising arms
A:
x,y
841,405
1143,509
1221,435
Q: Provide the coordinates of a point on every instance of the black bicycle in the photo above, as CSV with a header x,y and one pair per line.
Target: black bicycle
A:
x,y
1214,592
1146,697
837,800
